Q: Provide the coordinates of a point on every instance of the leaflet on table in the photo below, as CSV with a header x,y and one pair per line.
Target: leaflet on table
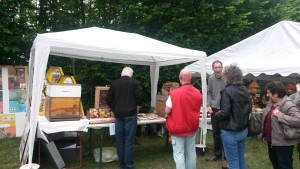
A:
x,y
112,129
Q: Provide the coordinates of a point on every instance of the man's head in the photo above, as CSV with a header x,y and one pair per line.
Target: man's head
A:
x,y
275,90
127,71
217,67
185,76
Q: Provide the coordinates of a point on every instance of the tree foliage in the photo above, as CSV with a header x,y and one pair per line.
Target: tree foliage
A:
x,y
207,25
16,31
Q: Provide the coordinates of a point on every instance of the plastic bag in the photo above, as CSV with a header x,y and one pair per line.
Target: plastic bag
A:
x,y
109,154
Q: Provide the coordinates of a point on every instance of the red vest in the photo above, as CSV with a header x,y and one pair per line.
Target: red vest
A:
x,y
184,117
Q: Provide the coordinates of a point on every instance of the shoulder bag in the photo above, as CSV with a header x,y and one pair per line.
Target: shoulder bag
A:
x,y
254,122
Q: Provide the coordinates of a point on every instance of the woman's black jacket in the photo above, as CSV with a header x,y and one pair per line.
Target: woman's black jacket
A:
x,y
235,108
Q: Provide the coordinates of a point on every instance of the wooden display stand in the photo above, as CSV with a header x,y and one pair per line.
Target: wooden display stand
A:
x,y
100,97
101,113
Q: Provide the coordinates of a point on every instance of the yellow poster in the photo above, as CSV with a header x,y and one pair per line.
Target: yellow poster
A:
x,y
7,125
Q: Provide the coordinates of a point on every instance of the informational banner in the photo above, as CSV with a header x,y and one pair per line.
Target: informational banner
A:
x,y
1,92
13,84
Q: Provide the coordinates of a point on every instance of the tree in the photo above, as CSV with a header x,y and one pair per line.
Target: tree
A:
x,y
16,30
207,25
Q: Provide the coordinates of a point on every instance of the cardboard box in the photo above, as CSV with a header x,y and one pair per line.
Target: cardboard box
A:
x,y
62,108
63,90
69,151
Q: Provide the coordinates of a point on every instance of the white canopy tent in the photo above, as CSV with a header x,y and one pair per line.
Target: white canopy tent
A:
x,y
101,45
275,50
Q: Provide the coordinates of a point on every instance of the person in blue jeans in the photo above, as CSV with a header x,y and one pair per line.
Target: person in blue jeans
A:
x,y
124,98
233,116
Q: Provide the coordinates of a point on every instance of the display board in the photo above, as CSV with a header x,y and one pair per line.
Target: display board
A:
x,y
17,77
100,97
13,95
1,93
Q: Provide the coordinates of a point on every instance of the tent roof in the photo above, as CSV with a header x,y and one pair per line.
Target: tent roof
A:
x,y
115,46
101,45
273,50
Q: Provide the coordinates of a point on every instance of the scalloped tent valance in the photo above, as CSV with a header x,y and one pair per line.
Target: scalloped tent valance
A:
x,y
275,50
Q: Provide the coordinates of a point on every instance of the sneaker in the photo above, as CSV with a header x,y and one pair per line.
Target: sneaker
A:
x,y
225,165
213,158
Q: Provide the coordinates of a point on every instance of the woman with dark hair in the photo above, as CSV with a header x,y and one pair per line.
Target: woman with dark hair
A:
x,y
234,114
280,110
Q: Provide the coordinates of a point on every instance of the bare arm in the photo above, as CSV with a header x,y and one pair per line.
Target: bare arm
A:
x,y
167,110
168,107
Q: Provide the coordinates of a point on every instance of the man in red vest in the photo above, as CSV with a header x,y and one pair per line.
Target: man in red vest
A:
x,y
183,110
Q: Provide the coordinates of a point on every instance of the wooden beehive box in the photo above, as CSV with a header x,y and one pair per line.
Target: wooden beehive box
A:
x,y
160,105
62,108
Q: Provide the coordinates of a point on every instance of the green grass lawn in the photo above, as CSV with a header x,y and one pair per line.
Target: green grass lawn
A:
x,y
151,153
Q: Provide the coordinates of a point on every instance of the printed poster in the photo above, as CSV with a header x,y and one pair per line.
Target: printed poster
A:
x,y
17,89
7,125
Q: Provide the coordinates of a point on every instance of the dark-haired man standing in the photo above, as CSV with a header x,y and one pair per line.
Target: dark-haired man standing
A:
x,y
215,85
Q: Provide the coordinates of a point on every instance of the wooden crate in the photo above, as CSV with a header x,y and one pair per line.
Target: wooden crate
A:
x,y
62,108
167,87
160,105
100,97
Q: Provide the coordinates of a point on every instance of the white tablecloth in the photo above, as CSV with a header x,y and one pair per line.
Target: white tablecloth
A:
x,y
44,126
159,120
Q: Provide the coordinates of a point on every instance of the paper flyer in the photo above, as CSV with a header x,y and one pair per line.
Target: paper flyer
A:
x,y
7,125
